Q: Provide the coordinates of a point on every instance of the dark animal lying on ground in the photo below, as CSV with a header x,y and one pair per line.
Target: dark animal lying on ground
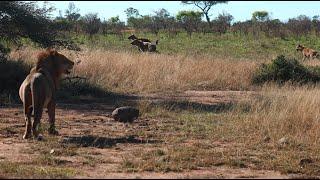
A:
x,y
125,114
133,37
145,46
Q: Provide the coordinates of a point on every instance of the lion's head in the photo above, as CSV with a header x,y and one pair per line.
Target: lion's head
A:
x,y
54,62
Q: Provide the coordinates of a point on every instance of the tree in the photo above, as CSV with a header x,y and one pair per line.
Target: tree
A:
x,y
142,22
225,18
133,22
72,13
274,28
145,22
60,17
299,26
160,20
222,23
316,24
24,19
259,19
205,7
115,25
243,28
132,12
91,23
132,17
162,13
260,16
62,24
189,20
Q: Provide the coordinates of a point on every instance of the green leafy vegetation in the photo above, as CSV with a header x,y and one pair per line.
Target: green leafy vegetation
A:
x,y
282,70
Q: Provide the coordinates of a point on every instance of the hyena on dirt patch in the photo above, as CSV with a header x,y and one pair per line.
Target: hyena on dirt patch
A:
x,y
307,52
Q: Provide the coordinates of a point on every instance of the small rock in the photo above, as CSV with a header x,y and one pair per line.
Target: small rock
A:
x,y
40,138
125,114
162,159
283,141
52,151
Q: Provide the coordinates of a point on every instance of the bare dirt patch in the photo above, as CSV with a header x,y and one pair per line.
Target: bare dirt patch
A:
x,y
95,146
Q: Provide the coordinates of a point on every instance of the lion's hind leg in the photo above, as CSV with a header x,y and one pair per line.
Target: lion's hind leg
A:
x,y
51,113
27,115
38,98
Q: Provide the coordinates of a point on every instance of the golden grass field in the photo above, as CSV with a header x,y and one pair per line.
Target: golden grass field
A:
x,y
132,73
225,128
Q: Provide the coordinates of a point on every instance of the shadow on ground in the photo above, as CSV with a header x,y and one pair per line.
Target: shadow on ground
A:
x,y
104,142
81,91
178,105
81,95
96,98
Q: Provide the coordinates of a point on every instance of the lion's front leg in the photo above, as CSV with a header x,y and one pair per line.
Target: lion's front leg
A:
x,y
51,113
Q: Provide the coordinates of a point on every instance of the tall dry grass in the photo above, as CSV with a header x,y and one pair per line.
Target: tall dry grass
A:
x,y
290,112
143,73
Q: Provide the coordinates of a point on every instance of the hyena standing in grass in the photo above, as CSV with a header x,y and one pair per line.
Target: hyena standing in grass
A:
x,y
307,52
145,46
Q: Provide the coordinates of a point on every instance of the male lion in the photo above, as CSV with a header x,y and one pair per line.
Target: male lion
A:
x,y
38,90
307,52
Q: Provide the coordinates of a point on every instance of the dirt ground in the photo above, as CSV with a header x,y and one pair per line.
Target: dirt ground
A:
x,y
98,144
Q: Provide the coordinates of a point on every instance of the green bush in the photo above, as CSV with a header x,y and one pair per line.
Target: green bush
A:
x,y
282,70
12,74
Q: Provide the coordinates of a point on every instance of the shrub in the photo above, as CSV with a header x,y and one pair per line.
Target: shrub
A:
x,y
282,70
12,74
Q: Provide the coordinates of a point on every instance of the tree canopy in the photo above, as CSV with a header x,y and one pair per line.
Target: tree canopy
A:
x,y
25,19
205,6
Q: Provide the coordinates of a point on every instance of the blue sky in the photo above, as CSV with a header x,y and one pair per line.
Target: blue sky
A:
x,y
241,10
